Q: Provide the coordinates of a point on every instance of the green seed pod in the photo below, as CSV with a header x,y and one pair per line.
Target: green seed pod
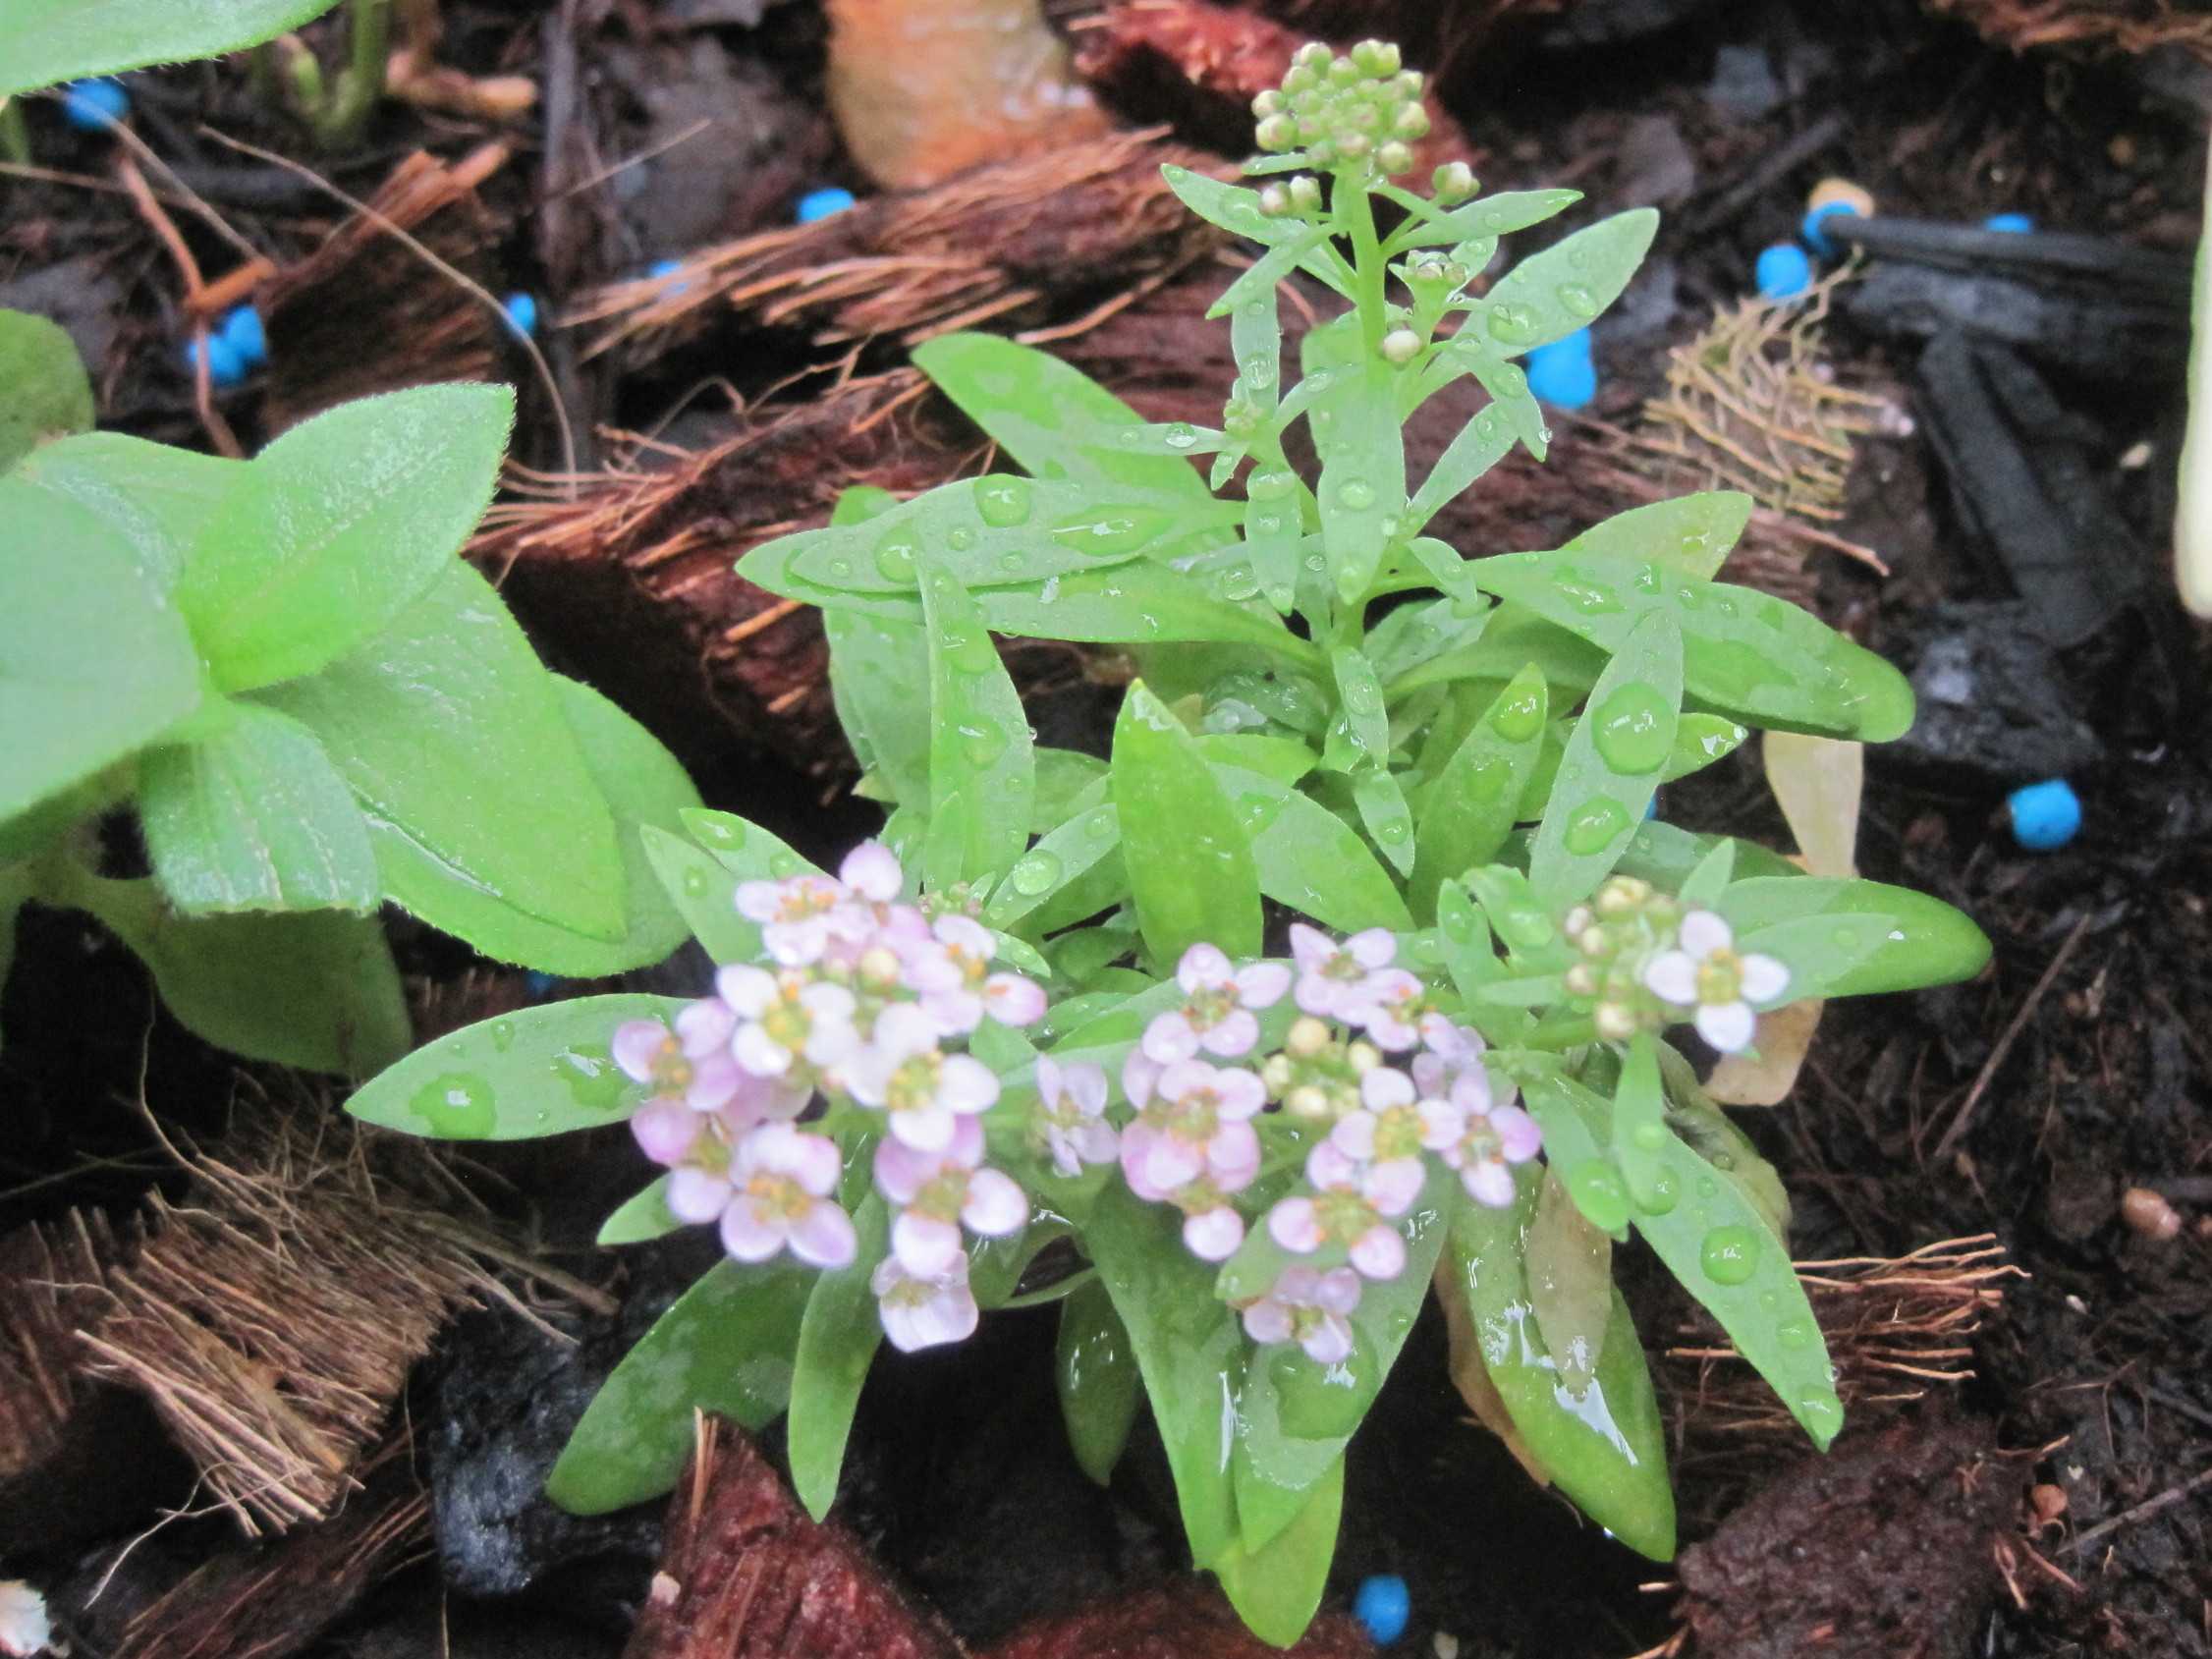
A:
x,y
1394,157
1455,181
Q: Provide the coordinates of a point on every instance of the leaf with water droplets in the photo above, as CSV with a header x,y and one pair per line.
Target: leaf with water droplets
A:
x,y
1664,856
1510,398
1471,807
1639,1122
1561,289
1309,859
1380,801
875,663
1611,767
1700,739
723,1347
1691,534
1359,735
1475,449
1057,863
537,1071
1879,937
1094,1370
1569,1268
982,769
1362,451
1414,635
1237,210
1189,860
704,891
1485,216
44,42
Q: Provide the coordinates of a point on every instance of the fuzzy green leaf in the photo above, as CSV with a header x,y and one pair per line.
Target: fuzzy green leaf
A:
x,y
159,499
43,392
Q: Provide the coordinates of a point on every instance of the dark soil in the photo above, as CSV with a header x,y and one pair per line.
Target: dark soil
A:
x,y
2071,1072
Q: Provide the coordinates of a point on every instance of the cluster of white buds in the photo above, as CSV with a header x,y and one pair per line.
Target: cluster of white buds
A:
x,y
1359,113
1644,961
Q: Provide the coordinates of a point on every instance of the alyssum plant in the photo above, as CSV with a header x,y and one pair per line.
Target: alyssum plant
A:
x,y
1031,1044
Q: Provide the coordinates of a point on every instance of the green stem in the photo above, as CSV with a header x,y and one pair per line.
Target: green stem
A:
x,y
1356,215
369,32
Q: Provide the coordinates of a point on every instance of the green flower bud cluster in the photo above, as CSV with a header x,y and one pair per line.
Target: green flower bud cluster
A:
x,y
1623,926
1316,1073
1358,113
1240,418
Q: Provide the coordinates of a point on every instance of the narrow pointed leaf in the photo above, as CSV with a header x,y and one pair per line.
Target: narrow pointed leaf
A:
x,y
1552,294
838,1337
1471,807
1189,863
1095,1370
983,771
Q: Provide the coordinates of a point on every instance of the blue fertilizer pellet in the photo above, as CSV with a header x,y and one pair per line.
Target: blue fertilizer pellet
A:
x,y
821,203
522,313
1384,1605
1783,271
93,107
225,365
243,332
2017,224
2046,815
1562,372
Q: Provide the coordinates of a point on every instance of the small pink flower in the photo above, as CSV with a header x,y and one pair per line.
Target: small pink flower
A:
x,y
1217,1010
794,915
871,872
780,1181
1213,1232
1389,1007
786,1018
1350,1198
1310,1308
1334,977
1484,1154
689,1063
1395,1122
1706,974
921,1311
1196,1123
939,1191
923,1091
1072,1108
665,1130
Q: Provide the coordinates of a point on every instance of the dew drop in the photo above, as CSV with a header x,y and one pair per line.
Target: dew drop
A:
x,y
457,1105
1650,1136
960,538
1634,731
1179,436
1794,1333
1730,1256
982,740
1508,381
722,832
1355,495
1110,533
1661,1193
897,554
1392,830
841,568
1578,300
1035,873
784,865
1820,1411
503,1035
1599,1195
1511,324
1002,502
1594,824
1258,372
695,883
1518,716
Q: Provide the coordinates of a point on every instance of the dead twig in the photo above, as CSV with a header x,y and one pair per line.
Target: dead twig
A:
x,y
2011,1035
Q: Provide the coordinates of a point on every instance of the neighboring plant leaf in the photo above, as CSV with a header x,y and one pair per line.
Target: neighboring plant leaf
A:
x,y
537,1071
1189,866
1471,809
1612,766
93,664
43,391
47,41
983,766
639,1218
338,527
1552,294
251,815
453,737
724,1346
1095,1369
838,1337
156,497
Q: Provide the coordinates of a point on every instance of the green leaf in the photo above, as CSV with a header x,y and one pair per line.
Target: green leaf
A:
x,y
639,1218
338,527
1690,534
1664,856
1065,782
1277,1589
537,1071
1050,416
1189,865
1237,210
1486,216
46,42
43,391
982,769
1362,451
1307,858
703,891
646,790
1552,294
875,664
724,1346
157,498
1384,814
93,664
1471,809
1510,396
1606,1447
316,989
1639,1125
837,1342
747,850
1363,724
1475,449
1095,1370
1702,739
1058,862
1745,653
1917,939
1190,1351
1570,1268
454,739
1611,768
250,815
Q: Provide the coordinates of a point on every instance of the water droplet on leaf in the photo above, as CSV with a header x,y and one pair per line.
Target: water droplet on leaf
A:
x,y
1730,1256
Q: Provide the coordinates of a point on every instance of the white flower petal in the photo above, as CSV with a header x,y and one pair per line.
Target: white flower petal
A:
x,y
1203,968
1727,1025
1703,932
924,1245
1213,1235
824,1237
1672,978
749,1231
1762,977
995,1206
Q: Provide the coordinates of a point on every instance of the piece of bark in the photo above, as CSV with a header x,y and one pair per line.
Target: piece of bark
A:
x,y
747,1574
1186,1620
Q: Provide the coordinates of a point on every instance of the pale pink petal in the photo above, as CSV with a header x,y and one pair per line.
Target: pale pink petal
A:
x,y
759,1053
1203,968
995,1205
955,1012
1095,1142
1233,1035
1379,1253
1518,1132
1141,1075
967,1084
664,1129
1170,1037
1762,977
1232,1155
1267,1320
831,1043
1727,1025
1328,1343
1137,1146
716,1081
903,1031
967,935
795,944
1336,1290
924,1245
824,1237
872,871
1213,1235
1317,996
1489,1182
1293,1225
926,1129
745,988
1014,1000
1049,1082
1310,948
1672,976
697,1195
1393,1184
1442,1122
967,1148
1328,1168
1261,985
1373,947
1385,1086
705,1025
1471,1090
825,1001
1085,1086
759,901
1239,1093
1703,933
899,1170
751,1232
1354,1133
638,1046
1170,1163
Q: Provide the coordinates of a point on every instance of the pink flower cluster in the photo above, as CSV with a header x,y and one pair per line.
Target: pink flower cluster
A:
x,y
859,1000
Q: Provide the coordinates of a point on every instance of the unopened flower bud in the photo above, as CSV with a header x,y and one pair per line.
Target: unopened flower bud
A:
x,y
1577,921
1377,58
1412,122
1400,345
1306,192
1321,152
1312,55
1615,1023
1394,157
1364,1057
1274,201
1594,941
1307,1037
1276,1074
1353,147
1621,894
1453,182
1308,1100
1582,980
1298,81
1342,72
1269,102
1277,132
1409,84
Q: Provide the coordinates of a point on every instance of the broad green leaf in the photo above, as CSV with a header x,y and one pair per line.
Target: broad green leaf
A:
x,y
1922,941
1309,859
1190,1350
703,891
1570,1268
43,391
1484,217
1052,417
642,1217
1475,449
157,498
1362,451
724,1346
1606,1447
316,989
983,768
1664,856
250,815
1745,653
338,527
749,852
93,664
1469,813
875,664
838,1337
1612,764
1552,294
537,1071
453,737
1058,862
1095,1370
1690,534
1066,778
1189,864
646,790
1277,1589
46,42
1384,814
